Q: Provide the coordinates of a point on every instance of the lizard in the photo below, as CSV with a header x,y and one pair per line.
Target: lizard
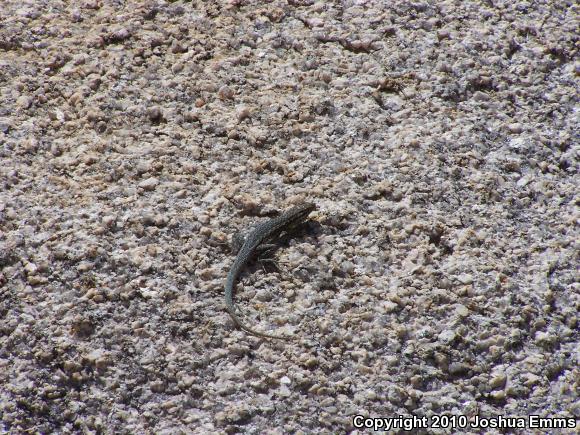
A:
x,y
261,235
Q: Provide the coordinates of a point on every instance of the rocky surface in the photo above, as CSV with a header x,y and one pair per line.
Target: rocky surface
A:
x,y
439,274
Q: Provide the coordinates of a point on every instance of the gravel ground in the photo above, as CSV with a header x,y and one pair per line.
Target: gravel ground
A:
x,y
438,274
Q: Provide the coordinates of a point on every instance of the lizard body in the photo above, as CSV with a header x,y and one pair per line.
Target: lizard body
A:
x,y
261,235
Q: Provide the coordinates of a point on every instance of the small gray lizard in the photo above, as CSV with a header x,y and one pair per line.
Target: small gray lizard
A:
x,y
262,235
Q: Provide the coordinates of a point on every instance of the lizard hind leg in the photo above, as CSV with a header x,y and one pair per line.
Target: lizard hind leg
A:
x,y
264,256
238,240
264,261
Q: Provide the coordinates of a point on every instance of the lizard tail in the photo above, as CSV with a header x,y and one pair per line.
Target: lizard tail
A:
x,y
241,325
